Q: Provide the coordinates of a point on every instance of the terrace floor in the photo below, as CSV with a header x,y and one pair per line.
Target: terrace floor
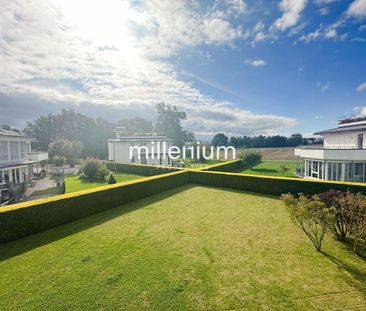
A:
x,y
193,247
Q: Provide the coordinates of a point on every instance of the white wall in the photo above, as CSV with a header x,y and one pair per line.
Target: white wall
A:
x,y
119,151
342,140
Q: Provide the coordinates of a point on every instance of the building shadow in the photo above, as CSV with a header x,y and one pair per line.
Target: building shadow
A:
x,y
22,245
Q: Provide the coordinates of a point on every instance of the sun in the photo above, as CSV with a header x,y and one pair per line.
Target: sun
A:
x,y
104,24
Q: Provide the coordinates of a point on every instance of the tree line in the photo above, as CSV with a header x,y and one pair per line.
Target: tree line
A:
x,y
261,141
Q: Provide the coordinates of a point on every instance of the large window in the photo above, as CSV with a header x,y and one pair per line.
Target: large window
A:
x,y
14,151
4,151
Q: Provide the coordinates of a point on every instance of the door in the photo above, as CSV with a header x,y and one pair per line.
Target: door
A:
x,y
360,141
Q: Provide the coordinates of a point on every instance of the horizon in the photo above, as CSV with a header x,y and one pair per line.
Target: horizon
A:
x,y
237,67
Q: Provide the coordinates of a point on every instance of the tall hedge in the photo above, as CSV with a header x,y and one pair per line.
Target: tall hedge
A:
x,y
230,166
270,185
27,218
139,169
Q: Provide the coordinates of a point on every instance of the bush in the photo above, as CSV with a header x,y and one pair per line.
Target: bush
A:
x,y
309,215
94,168
250,158
58,160
112,180
339,221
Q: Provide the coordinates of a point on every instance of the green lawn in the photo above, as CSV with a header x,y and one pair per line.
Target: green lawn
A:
x,y
272,168
191,248
75,183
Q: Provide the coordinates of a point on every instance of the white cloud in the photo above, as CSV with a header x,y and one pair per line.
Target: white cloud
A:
x,y
115,54
357,9
361,87
324,11
329,32
256,62
323,2
236,7
361,111
323,86
291,14
362,28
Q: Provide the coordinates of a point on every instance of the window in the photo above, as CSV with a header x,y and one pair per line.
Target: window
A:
x,y
360,141
359,167
3,151
320,170
14,151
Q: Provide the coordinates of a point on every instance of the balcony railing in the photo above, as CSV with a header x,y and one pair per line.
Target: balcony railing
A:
x,y
332,154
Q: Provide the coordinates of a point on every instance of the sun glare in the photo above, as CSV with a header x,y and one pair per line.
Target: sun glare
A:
x,y
103,24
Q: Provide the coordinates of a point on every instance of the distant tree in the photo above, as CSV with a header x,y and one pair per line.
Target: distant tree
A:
x,y
69,149
219,139
250,158
92,133
112,180
139,125
169,123
9,128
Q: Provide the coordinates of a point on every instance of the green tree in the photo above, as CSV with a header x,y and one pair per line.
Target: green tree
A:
x,y
220,139
169,124
70,150
138,125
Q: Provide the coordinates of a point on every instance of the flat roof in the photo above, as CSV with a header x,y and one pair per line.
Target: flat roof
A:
x,y
350,128
140,138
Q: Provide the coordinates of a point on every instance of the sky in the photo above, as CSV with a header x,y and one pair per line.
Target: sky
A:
x,y
241,67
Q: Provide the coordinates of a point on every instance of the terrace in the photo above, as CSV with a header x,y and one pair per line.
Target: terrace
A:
x,y
178,241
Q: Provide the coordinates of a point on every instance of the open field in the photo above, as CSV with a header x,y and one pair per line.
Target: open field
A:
x,y
196,165
272,168
75,183
279,154
191,248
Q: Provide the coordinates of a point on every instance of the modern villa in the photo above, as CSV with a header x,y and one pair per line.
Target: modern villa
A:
x,y
343,155
119,148
16,159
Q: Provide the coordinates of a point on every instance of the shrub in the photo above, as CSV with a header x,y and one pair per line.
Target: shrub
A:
x,y
250,158
337,203
284,169
112,180
94,168
357,211
309,214
58,160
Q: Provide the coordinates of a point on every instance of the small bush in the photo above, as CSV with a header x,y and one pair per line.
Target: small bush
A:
x,y
309,214
59,160
250,158
94,169
112,180
284,169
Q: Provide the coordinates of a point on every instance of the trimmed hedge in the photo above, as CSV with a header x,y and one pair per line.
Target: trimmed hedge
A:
x,y
229,166
140,169
23,219
270,185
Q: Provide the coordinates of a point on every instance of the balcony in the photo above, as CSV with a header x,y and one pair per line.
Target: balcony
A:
x,y
322,153
38,156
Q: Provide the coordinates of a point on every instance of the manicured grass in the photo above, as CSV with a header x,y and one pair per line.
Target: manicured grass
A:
x,y
192,248
76,183
272,168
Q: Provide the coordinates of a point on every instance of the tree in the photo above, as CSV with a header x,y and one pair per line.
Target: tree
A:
x,y
70,150
138,125
250,158
92,133
169,123
220,139
309,215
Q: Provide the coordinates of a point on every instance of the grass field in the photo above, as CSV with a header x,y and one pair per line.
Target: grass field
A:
x,y
196,165
191,248
272,168
75,183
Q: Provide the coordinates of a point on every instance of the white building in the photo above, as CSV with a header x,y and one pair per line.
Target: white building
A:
x,y
153,149
16,159
343,155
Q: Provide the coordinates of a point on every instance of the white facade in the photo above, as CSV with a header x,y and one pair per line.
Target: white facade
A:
x,y
343,156
16,158
154,149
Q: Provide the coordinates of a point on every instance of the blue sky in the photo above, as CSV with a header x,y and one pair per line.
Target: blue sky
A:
x,y
241,67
